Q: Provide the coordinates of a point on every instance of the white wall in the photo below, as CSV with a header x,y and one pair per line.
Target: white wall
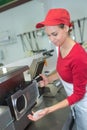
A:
x,y
77,8
17,21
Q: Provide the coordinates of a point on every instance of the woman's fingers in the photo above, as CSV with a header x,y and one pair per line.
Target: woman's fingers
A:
x,y
42,84
32,112
31,117
38,114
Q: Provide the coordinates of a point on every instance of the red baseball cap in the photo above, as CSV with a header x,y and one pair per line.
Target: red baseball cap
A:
x,y
54,17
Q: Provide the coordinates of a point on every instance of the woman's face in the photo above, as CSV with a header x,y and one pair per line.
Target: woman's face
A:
x,y
56,34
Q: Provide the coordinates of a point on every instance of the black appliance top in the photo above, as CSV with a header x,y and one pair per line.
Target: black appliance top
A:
x,y
11,80
7,72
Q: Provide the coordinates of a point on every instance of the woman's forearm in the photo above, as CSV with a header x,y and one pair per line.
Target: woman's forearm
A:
x,y
58,106
53,77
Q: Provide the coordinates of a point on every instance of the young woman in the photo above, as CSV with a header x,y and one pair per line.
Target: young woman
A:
x,y
71,67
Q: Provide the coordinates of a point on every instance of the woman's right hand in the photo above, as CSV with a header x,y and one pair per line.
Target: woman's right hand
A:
x,y
43,82
38,114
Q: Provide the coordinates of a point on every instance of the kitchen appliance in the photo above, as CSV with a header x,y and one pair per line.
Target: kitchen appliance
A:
x,y
10,79
20,96
23,99
36,67
21,103
6,121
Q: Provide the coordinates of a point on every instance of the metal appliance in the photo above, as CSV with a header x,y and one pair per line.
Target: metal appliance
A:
x,y
23,100
21,103
18,95
6,121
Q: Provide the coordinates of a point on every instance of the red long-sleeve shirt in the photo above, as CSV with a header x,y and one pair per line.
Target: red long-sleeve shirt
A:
x,y
73,69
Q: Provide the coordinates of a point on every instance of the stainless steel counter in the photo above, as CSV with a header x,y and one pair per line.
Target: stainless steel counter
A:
x,y
53,121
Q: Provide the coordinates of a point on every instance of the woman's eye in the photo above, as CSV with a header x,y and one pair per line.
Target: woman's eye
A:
x,y
55,34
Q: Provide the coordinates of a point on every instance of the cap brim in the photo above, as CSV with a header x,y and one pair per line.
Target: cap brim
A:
x,y
40,25
50,23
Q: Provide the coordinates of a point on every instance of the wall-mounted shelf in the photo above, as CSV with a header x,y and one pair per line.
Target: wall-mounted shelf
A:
x,y
7,4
